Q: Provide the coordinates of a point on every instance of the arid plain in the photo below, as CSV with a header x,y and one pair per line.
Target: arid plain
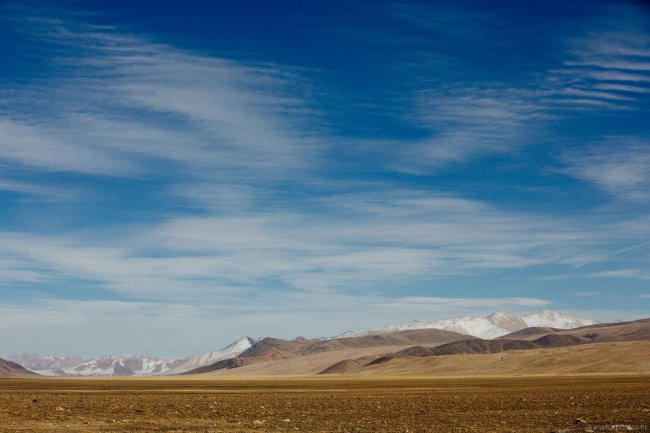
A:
x,y
542,403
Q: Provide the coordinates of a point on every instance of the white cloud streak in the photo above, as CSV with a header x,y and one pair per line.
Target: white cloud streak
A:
x,y
125,105
43,192
642,274
595,72
376,244
609,67
423,303
619,165
469,123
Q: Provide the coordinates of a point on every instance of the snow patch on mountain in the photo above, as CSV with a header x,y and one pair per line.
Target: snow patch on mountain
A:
x,y
210,358
126,365
553,319
487,327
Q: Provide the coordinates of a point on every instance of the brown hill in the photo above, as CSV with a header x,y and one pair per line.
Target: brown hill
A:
x,y
11,369
620,357
271,350
602,332
308,364
474,346
398,338
343,366
559,340
219,365
526,332
479,346
624,331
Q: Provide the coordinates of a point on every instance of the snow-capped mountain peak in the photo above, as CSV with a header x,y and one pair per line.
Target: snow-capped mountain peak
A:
x,y
491,326
554,319
126,365
506,320
209,358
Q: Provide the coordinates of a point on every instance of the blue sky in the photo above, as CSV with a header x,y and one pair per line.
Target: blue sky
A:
x,y
175,176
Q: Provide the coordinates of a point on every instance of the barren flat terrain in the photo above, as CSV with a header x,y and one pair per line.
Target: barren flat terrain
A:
x,y
341,404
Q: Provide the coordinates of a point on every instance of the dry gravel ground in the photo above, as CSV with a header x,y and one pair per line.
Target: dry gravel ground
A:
x,y
479,404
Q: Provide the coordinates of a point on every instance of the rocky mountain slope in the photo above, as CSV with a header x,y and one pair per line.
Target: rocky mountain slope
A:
x,y
273,349
12,369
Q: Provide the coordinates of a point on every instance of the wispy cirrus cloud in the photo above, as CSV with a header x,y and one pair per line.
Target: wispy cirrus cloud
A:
x,y
443,19
124,106
619,165
642,274
588,294
592,72
468,123
42,192
376,242
428,303
607,68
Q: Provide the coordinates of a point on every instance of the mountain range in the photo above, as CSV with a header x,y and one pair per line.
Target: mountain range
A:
x,y
125,365
492,326
247,351
598,348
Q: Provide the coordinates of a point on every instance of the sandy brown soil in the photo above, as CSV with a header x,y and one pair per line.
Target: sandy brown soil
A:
x,y
486,404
